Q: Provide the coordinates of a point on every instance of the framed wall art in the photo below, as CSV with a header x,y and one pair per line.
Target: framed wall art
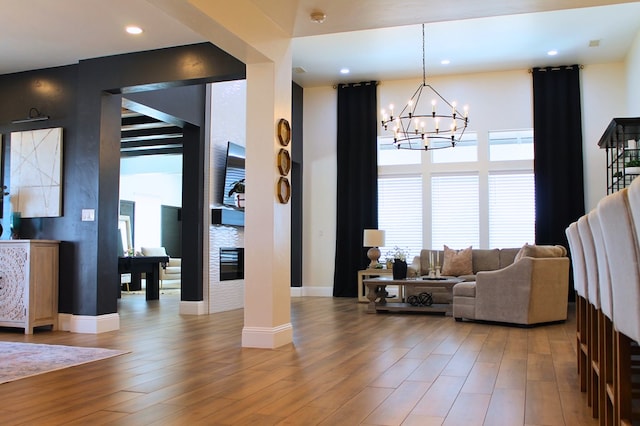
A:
x,y
36,172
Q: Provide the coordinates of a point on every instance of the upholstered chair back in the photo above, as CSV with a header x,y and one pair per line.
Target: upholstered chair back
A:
x,y
590,260
622,250
604,278
634,205
577,260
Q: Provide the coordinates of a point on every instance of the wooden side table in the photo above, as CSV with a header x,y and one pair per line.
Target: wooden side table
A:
x,y
369,273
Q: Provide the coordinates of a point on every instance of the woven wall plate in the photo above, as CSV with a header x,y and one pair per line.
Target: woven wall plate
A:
x,y
283,190
284,162
284,132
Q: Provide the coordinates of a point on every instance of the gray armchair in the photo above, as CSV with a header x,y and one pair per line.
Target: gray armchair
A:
x,y
531,290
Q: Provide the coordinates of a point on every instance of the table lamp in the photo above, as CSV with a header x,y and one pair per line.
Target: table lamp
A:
x,y
373,238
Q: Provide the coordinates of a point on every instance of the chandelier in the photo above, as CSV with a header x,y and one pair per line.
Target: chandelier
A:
x,y
421,127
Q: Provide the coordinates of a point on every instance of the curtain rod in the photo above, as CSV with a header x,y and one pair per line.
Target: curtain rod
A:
x,y
545,69
365,83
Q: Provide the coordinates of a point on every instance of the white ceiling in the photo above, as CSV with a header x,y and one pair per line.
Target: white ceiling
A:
x,y
375,39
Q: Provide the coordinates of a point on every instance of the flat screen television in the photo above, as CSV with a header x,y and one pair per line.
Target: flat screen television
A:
x,y
233,172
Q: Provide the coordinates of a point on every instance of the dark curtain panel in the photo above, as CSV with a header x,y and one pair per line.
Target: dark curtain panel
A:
x,y
557,130
357,182
558,167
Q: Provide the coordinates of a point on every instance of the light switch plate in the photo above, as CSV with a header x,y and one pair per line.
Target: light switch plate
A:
x,y
88,215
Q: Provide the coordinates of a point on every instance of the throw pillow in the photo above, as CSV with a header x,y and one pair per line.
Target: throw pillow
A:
x,y
457,262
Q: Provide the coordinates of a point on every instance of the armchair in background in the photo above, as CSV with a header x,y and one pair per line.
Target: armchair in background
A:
x,y
533,289
172,271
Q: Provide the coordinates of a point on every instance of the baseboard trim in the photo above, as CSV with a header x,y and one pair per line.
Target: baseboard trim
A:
x,y
89,324
312,291
193,307
267,337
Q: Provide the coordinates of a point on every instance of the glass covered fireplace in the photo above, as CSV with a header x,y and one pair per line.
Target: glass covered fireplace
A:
x,y
231,263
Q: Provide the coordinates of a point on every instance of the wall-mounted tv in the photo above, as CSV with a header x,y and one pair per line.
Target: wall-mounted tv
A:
x,y
234,171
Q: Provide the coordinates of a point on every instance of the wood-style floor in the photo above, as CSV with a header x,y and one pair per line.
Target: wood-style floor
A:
x,y
345,367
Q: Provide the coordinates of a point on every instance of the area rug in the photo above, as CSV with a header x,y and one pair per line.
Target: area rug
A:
x,y
20,360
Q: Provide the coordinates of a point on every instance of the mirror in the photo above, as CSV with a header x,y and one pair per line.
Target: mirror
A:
x,y
124,229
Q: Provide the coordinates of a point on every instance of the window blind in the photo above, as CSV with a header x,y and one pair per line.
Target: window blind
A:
x,y
511,209
455,211
400,213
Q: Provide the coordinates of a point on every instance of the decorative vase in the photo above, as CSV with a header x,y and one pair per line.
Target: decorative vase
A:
x,y
399,269
240,201
15,225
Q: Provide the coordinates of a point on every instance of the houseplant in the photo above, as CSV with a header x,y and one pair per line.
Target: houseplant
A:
x,y
632,167
400,263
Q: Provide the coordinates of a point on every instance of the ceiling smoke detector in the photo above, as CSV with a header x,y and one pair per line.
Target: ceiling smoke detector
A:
x,y
318,17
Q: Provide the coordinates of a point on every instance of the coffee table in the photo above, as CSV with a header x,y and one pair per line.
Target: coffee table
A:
x,y
440,289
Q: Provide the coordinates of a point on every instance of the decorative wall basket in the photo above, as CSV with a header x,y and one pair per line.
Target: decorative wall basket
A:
x,y
284,132
284,162
283,190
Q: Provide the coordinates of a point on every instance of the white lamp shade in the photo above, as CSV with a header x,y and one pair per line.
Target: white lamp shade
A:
x,y
373,238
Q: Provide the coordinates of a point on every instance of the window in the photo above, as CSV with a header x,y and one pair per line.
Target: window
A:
x,y
475,200
400,213
511,145
455,213
511,209
389,155
465,151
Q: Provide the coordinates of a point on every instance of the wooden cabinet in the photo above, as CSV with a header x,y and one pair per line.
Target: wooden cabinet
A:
x,y
28,284
621,140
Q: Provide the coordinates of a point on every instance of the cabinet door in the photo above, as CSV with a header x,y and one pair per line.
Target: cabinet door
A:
x,y
13,275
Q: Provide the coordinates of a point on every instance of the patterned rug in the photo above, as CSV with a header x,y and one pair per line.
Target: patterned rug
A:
x,y
20,360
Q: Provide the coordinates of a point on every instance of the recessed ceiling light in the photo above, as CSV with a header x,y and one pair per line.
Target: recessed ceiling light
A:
x,y
132,29
445,62
317,16
344,71
552,52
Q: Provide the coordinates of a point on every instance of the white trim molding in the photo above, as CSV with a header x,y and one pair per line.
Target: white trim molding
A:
x,y
314,291
267,338
193,307
89,324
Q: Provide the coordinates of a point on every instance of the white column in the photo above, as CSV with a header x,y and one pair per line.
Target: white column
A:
x,y
240,28
267,222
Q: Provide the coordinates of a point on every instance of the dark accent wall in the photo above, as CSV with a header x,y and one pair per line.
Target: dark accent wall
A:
x,y
171,230
296,185
85,99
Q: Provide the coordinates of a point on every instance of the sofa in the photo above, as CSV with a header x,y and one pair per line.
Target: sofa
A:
x,y
481,260
533,289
